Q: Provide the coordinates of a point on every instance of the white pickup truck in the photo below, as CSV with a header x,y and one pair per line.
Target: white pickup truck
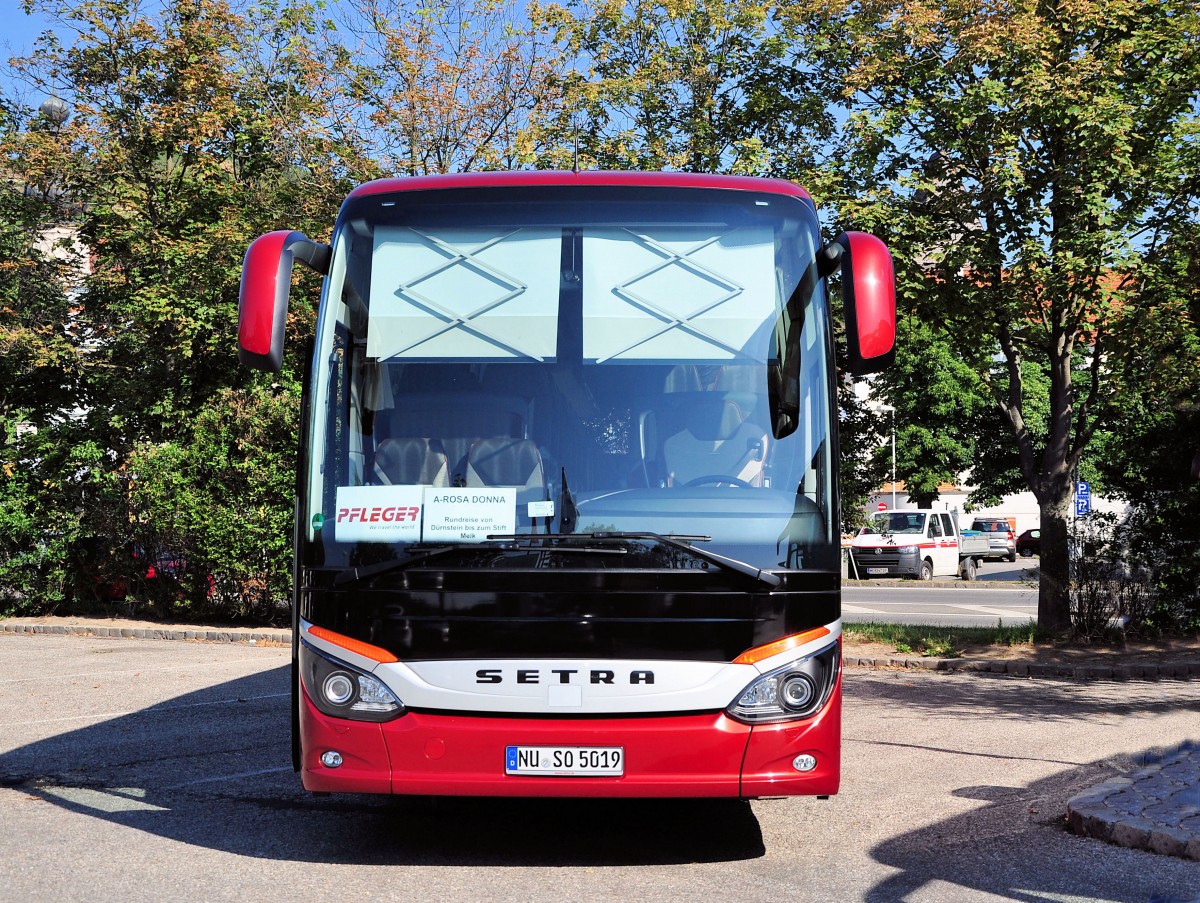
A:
x,y
916,543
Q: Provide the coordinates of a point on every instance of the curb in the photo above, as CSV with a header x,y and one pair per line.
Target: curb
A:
x,y
1186,670
936,583
1156,808
230,635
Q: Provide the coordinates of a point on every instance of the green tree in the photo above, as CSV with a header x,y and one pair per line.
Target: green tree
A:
x,y
1034,158
698,86
865,462
219,497
1147,454
938,399
996,471
40,364
443,86
38,360
195,128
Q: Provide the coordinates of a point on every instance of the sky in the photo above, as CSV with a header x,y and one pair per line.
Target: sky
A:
x,y
17,34
18,29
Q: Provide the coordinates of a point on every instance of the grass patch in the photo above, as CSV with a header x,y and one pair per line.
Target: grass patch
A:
x,y
941,642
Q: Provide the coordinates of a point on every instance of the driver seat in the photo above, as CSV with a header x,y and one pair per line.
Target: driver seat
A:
x,y
717,440
511,462
505,461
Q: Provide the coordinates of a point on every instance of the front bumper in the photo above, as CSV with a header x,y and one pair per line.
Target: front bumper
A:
x,y
889,563
695,755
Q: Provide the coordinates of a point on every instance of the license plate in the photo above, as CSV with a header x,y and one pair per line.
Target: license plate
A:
x,y
877,570
565,761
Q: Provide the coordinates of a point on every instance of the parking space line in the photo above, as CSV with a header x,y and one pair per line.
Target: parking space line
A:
x,y
99,716
118,672
231,777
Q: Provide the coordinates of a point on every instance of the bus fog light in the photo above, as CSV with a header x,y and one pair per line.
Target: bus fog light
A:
x,y
803,762
331,759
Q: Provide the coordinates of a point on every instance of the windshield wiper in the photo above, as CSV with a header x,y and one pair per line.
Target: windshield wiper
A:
x,y
494,544
355,574
679,541
571,543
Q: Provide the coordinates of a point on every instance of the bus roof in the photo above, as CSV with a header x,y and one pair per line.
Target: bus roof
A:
x,y
520,178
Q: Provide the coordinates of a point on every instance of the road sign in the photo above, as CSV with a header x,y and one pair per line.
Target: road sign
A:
x,y
1083,499
882,506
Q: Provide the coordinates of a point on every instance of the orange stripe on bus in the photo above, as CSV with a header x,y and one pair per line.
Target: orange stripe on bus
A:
x,y
366,650
758,653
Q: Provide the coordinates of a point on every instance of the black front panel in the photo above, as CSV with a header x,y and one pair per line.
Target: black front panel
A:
x,y
604,614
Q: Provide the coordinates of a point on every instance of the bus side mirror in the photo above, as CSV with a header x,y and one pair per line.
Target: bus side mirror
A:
x,y
266,285
869,296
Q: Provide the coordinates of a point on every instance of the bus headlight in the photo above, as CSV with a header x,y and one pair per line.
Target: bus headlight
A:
x,y
338,688
343,691
796,690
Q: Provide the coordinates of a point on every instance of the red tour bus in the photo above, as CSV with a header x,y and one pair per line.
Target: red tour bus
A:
x,y
567,499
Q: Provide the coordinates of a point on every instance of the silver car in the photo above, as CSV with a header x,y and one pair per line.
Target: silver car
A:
x,y
1002,542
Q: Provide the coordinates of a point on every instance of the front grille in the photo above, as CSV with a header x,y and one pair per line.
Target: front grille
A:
x,y
867,557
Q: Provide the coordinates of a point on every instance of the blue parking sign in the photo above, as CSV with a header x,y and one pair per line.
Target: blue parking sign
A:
x,y
1083,490
1083,506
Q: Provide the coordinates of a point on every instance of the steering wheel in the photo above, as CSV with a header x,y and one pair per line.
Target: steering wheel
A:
x,y
718,478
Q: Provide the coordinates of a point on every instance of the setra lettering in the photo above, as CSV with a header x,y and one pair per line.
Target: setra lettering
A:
x,y
564,675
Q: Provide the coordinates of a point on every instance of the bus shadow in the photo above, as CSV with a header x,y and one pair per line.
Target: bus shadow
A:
x,y
574,832
213,769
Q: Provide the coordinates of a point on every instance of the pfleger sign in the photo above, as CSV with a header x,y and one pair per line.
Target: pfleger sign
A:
x,y
378,514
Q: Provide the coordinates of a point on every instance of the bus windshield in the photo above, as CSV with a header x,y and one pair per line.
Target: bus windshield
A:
x,y
500,364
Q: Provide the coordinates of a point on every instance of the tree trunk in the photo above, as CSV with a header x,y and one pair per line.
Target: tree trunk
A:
x,y
1054,582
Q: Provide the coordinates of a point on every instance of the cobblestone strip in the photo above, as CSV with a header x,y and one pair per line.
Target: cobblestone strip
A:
x,y
228,635
1189,670
1155,808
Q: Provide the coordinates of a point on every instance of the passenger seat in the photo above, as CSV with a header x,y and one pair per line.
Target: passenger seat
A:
x,y
408,461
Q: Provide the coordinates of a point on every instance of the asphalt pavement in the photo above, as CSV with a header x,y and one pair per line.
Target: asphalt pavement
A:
x,y
1155,808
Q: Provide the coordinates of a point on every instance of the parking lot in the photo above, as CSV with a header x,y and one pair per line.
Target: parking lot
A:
x,y
147,770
